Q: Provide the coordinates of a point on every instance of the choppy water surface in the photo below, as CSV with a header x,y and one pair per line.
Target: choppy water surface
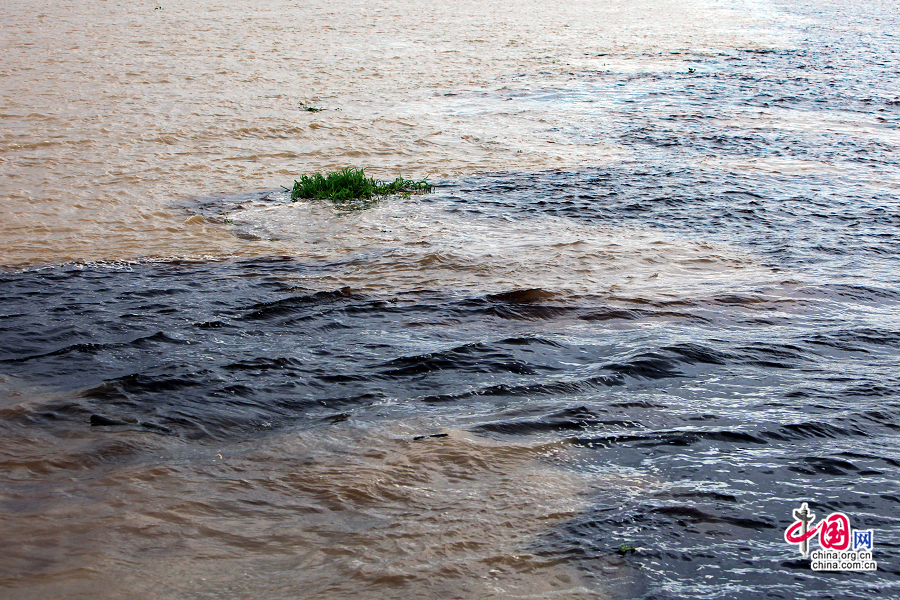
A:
x,y
484,392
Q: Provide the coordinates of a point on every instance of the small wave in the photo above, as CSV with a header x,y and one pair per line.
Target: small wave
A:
x,y
471,357
654,438
96,348
569,419
289,307
541,389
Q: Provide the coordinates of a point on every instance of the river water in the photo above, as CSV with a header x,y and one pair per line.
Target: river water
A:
x,y
652,301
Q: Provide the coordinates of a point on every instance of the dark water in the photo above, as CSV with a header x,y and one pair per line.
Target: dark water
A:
x,y
732,407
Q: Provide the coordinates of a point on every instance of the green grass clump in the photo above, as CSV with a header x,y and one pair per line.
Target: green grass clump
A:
x,y
352,184
312,109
